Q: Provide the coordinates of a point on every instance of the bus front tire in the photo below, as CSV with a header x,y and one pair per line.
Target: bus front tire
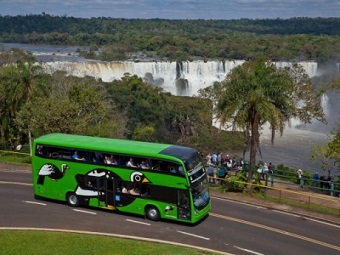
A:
x,y
72,199
152,213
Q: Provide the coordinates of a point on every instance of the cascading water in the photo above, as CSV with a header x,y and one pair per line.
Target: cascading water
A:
x,y
178,78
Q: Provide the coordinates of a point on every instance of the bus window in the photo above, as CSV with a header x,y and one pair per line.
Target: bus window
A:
x,y
135,190
66,154
54,155
121,187
78,156
156,167
39,150
176,169
144,164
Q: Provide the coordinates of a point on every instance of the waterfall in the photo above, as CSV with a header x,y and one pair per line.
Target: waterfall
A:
x,y
179,78
325,104
311,68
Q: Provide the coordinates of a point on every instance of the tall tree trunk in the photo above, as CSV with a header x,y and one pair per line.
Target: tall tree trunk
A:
x,y
254,144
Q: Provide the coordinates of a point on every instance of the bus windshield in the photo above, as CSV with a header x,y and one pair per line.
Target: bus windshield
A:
x,y
199,186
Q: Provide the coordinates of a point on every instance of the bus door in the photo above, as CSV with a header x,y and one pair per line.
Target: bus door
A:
x,y
109,185
184,205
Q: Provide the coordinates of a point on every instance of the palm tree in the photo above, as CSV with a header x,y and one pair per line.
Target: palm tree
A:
x,y
256,93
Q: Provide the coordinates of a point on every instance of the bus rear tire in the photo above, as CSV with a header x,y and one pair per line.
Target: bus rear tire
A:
x,y
152,213
72,199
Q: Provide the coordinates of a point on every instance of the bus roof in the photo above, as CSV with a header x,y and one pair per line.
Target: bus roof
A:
x,y
116,145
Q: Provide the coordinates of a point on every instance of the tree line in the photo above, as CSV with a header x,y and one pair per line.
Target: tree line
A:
x,y
108,39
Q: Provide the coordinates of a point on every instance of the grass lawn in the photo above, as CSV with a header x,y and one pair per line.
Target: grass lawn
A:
x,y
29,242
13,157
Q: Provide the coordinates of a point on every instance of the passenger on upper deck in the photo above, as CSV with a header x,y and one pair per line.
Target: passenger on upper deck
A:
x,y
144,165
130,163
39,149
76,156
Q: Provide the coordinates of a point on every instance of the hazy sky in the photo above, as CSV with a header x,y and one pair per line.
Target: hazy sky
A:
x,y
174,9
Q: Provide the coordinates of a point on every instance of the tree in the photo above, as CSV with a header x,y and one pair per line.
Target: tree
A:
x,y
144,133
334,148
257,93
75,105
19,83
329,155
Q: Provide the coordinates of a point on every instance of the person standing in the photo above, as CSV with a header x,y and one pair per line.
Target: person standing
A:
x,y
271,173
214,158
299,174
211,173
316,179
208,158
270,168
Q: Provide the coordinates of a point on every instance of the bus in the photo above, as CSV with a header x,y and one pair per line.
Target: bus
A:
x,y
158,181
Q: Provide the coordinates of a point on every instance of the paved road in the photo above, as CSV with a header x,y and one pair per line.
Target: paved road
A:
x,y
232,227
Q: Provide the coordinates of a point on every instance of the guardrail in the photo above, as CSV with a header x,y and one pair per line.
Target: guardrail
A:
x,y
12,157
286,193
15,152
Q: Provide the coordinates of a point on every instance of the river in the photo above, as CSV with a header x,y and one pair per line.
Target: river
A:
x,y
293,149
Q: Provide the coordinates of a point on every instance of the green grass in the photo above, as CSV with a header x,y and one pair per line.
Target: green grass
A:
x,y
15,157
44,242
217,187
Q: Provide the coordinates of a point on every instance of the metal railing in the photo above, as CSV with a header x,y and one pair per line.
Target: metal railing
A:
x,y
273,187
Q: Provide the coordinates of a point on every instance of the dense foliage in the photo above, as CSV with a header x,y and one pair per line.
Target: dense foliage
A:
x,y
277,39
36,103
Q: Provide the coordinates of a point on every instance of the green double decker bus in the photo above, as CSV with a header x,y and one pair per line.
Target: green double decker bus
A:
x,y
160,181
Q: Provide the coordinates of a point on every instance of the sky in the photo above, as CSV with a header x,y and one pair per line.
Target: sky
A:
x,y
174,9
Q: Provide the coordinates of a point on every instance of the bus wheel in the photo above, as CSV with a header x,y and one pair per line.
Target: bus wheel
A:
x,y
72,199
152,213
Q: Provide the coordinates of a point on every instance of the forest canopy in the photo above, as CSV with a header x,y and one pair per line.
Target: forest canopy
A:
x,y
300,39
